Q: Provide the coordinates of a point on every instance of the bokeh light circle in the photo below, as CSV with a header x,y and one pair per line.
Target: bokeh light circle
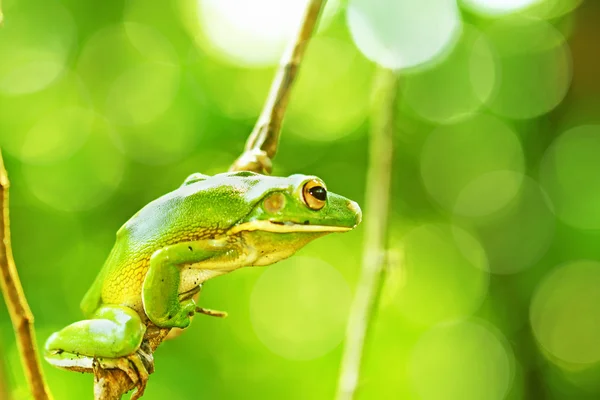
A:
x,y
445,274
403,34
235,92
455,155
151,43
84,180
569,173
142,93
455,88
534,64
251,33
565,313
550,9
498,7
521,233
488,193
57,136
332,94
146,143
26,120
34,46
141,82
463,360
299,307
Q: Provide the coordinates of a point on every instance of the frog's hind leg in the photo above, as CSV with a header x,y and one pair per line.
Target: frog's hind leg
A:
x,y
114,331
111,339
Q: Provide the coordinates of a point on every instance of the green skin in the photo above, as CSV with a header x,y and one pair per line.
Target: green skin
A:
x,y
207,227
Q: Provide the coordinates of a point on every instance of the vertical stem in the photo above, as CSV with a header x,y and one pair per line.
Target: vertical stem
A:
x,y
261,146
374,253
20,314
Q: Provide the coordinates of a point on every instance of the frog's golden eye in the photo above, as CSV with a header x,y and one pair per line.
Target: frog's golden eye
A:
x,y
274,203
314,194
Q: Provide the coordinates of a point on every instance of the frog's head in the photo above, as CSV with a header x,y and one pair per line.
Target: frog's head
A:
x,y
300,204
287,213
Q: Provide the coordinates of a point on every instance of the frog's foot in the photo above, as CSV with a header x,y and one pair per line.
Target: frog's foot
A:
x,y
176,332
137,366
181,318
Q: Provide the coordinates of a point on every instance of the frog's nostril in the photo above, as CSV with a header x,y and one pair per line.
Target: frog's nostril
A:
x,y
354,207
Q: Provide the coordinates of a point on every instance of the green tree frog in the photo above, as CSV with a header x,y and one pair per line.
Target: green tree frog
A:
x,y
209,226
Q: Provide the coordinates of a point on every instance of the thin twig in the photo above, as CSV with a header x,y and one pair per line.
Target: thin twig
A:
x,y
262,143
20,314
374,255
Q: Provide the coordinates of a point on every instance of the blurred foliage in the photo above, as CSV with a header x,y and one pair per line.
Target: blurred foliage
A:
x,y
106,106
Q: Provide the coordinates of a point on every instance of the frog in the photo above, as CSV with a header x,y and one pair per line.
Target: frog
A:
x,y
207,227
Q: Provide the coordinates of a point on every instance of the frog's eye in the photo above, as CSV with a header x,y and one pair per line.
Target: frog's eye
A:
x,y
314,194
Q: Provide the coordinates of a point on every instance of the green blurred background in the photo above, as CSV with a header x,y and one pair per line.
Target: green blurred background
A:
x,y
495,218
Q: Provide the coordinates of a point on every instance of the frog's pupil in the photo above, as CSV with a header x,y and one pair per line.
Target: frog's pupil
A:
x,y
318,192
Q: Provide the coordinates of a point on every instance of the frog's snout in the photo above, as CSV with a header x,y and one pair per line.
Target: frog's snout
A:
x,y
355,208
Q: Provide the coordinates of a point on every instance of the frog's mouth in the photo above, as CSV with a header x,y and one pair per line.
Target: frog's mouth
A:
x,y
286,227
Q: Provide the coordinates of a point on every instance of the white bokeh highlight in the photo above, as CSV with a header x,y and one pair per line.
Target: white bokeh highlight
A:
x,y
499,7
455,88
403,34
252,33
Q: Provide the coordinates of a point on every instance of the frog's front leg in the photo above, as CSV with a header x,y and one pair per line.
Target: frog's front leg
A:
x,y
160,291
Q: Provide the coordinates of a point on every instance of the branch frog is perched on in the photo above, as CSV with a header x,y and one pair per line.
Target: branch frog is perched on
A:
x,y
209,226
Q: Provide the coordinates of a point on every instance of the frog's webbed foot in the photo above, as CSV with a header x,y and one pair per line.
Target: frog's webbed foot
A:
x,y
138,366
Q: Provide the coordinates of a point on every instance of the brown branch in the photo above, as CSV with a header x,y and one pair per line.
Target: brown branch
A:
x,y
374,254
262,143
20,314
112,384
